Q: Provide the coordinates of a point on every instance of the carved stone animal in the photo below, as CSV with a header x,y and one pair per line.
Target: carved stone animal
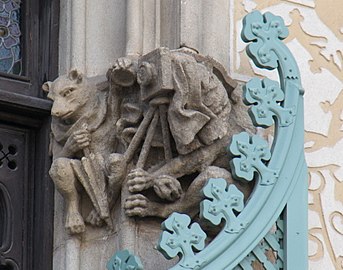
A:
x,y
83,116
203,111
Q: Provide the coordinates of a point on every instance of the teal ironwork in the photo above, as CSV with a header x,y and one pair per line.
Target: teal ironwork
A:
x,y
124,260
251,151
266,96
265,32
222,200
269,253
179,239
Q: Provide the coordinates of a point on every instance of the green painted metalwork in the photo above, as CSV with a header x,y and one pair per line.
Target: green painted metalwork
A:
x,y
124,260
251,151
265,32
280,174
266,96
269,253
222,200
179,239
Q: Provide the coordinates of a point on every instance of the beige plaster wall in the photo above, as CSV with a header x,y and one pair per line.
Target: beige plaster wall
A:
x,y
316,40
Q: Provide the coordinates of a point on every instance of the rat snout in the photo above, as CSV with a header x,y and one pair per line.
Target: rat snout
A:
x,y
60,110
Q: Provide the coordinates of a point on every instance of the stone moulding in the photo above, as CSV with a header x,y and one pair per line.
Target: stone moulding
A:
x,y
280,174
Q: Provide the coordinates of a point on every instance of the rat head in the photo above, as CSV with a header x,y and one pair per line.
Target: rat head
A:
x,y
70,95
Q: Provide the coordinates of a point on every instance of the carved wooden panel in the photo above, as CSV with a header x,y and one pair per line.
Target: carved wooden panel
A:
x,y
15,193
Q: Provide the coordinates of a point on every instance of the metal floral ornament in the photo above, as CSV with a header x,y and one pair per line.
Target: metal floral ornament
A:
x,y
266,97
179,239
280,173
251,152
263,31
222,200
124,260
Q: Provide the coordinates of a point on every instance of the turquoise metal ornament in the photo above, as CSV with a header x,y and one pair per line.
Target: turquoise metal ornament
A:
x,y
265,96
252,151
271,245
265,32
222,200
124,260
180,239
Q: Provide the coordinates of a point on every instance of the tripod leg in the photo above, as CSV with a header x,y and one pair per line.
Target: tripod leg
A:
x,y
139,134
165,132
147,143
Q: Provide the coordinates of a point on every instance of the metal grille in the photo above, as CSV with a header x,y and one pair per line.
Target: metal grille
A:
x,y
269,253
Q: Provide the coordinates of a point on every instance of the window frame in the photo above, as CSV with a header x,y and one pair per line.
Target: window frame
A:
x,y
39,26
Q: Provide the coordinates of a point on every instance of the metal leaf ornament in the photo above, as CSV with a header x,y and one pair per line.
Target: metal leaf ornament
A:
x,y
180,239
221,200
265,96
265,31
124,260
250,153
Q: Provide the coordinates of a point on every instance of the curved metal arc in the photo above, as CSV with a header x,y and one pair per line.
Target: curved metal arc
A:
x,y
272,205
262,202
266,200
259,228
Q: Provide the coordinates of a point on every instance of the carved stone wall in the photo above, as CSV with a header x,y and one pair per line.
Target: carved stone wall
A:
x,y
94,34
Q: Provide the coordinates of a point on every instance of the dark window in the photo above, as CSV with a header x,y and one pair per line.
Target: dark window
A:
x,y
10,33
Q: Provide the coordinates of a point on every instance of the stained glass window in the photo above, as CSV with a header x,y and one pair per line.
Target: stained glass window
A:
x,y
10,52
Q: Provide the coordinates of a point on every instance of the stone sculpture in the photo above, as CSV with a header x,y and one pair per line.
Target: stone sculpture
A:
x,y
158,128
191,110
81,143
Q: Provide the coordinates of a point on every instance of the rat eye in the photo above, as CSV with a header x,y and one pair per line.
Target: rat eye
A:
x,y
68,91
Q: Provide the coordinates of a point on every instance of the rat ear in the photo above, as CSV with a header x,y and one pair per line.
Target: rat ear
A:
x,y
46,86
75,75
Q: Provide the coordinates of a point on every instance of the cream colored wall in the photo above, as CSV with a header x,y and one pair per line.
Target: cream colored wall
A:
x,y
316,40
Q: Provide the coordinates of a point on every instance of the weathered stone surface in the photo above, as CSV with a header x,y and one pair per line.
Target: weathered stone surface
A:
x,y
81,142
189,107
151,135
